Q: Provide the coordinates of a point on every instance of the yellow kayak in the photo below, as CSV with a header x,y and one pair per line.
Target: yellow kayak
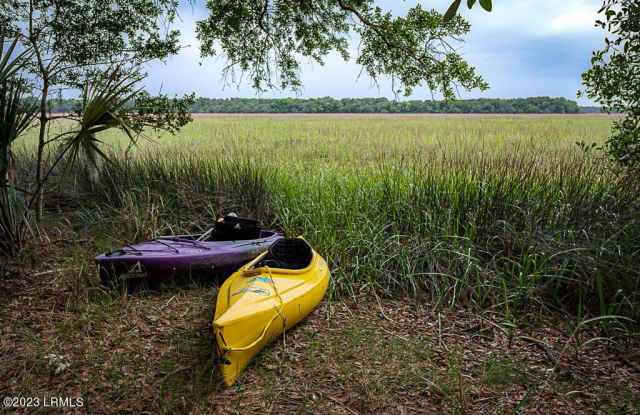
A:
x,y
268,295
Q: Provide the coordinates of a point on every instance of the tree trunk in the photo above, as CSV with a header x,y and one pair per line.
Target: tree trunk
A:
x,y
41,145
4,167
91,165
11,164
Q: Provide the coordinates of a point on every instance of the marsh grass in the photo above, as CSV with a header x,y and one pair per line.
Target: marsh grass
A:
x,y
495,214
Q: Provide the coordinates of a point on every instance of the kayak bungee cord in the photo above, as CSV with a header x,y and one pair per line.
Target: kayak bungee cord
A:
x,y
185,241
167,245
275,288
284,319
133,251
266,327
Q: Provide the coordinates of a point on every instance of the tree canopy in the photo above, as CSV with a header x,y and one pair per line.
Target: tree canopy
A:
x,y
614,77
70,36
266,39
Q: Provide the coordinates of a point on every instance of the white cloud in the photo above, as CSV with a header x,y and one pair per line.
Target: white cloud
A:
x,y
578,20
536,17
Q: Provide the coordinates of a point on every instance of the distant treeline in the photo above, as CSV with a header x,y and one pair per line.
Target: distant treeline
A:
x,y
590,110
534,105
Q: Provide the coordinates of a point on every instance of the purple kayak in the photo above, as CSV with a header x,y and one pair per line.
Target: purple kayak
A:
x,y
221,249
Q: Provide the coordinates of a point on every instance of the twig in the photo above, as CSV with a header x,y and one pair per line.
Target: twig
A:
x,y
562,371
167,303
58,241
394,334
51,271
542,346
591,395
435,386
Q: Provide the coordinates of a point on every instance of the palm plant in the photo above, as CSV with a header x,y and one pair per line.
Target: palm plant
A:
x,y
16,115
111,98
107,102
10,66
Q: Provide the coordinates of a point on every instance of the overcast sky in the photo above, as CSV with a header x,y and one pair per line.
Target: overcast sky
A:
x,y
523,48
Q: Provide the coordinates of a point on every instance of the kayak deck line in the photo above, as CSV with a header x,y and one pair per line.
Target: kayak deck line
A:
x,y
182,240
167,245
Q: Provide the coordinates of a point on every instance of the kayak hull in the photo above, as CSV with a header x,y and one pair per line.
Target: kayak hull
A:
x,y
256,305
171,256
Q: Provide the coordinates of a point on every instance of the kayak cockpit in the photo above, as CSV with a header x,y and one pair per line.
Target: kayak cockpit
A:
x,y
286,253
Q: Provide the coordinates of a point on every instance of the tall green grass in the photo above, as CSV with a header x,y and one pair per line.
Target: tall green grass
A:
x,y
491,214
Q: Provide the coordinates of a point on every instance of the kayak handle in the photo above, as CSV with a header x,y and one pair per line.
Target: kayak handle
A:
x,y
256,341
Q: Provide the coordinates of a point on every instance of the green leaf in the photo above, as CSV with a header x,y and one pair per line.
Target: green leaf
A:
x,y
486,4
8,66
595,339
470,3
608,317
452,10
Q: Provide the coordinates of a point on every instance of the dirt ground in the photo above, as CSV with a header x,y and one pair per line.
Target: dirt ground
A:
x,y
153,352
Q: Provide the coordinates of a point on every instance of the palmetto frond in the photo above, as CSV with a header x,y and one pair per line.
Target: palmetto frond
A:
x,y
106,103
10,66
16,113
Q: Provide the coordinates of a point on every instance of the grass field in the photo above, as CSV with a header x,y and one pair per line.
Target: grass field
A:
x,y
479,264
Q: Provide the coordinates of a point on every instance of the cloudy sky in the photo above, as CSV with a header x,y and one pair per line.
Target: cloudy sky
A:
x,y
523,48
